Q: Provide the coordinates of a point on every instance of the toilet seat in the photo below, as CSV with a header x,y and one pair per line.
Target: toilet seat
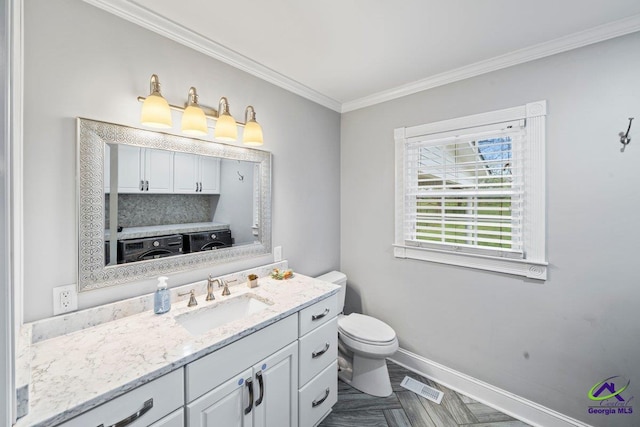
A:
x,y
366,329
367,336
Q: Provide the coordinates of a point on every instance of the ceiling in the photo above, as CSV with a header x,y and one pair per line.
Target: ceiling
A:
x,y
346,54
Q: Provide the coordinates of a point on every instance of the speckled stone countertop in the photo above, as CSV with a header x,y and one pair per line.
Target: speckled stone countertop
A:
x,y
162,230
74,372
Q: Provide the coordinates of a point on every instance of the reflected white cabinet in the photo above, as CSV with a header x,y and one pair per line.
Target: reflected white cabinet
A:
x,y
196,174
140,169
262,396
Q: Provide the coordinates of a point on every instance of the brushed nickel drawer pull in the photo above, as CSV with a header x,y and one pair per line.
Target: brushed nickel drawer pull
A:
x,y
320,316
131,418
316,354
319,402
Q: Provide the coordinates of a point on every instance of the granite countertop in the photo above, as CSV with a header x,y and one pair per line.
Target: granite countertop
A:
x,y
74,372
162,230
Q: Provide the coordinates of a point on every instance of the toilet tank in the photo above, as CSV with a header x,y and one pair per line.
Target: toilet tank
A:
x,y
337,278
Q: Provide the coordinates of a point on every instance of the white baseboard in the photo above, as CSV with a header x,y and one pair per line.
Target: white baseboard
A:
x,y
509,403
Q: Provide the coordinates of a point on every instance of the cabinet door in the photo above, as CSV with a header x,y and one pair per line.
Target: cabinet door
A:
x,y
130,164
185,173
158,171
225,405
276,389
209,175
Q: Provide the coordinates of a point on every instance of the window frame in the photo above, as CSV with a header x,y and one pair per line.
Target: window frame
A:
x,y
534,263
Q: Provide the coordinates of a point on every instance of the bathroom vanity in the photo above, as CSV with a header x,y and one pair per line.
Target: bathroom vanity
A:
x,y
265,356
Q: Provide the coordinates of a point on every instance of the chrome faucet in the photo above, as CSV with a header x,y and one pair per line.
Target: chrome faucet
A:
x,y
192,299
210,282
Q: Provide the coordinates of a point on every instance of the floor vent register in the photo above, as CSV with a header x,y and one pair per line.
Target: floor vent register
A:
x,y
422,389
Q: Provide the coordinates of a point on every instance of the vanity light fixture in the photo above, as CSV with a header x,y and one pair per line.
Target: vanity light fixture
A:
x,y
155,109
252,130
156,112
226,129
194,121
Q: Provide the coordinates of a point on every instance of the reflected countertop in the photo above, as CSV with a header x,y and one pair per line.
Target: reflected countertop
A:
x,y
74,372
163,230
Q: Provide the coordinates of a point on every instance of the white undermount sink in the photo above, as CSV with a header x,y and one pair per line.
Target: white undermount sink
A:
x,y
225,310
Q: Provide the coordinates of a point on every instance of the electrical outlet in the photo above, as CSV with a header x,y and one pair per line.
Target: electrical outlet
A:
x,y
65,299
277,254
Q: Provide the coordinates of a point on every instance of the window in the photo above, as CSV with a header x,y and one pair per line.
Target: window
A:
x,y
470,191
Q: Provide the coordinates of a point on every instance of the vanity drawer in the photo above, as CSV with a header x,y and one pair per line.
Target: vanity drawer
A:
x,y
176,419
318,314
317,397
149,402
210,371
317,350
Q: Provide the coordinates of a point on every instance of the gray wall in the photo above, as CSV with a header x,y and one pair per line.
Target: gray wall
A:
x,y
551,341
235,204
82,61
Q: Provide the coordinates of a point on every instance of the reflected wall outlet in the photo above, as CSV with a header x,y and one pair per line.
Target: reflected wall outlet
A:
x,y
65,299
277,254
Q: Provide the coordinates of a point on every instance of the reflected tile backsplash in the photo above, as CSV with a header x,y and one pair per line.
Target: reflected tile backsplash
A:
x,y
138,210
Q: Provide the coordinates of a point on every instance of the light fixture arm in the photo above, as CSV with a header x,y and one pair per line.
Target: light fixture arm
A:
x,y
192,98
249,114
154,85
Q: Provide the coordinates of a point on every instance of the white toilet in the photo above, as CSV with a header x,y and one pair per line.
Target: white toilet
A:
x,y
364,343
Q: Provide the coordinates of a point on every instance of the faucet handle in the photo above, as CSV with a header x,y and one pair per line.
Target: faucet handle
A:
x,y
225,291
192,299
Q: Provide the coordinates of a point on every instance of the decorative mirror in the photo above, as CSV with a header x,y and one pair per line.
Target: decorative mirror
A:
x,y
152,203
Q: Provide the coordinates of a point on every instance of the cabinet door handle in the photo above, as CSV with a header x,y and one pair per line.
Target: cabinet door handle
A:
x,y
316,354
261,383
141,185
319,402
200,187
131,418
146,186
321,315
196,187
249,383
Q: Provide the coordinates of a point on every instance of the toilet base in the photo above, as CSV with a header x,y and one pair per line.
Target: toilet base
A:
x,y
368,375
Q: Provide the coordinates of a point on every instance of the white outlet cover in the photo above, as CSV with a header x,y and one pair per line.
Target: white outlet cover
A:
x,y
277,254
65,299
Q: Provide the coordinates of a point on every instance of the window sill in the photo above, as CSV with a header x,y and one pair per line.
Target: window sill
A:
x,y
526,268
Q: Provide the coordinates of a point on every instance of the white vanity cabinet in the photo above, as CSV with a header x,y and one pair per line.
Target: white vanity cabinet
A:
x,y
318,367
250,383
263,396
141,170
196,174
141,407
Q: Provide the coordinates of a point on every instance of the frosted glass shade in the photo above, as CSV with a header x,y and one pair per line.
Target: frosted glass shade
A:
x,y
156,112
194,121
226,129
252,133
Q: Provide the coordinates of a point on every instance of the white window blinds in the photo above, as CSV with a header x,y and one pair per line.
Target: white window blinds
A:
x,y
464,192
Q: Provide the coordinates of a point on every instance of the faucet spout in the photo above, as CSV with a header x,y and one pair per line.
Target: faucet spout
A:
x,y
210,282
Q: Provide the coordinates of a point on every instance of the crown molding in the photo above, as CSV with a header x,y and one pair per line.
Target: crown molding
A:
x,y
597,34
148,19
129,10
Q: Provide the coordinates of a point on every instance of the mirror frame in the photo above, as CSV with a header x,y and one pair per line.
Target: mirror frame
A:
x,y
92,136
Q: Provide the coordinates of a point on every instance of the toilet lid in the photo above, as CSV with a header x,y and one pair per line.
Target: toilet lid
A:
x,y
366,329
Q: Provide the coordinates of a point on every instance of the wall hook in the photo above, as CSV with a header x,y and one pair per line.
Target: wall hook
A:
x,y
624,137
240,177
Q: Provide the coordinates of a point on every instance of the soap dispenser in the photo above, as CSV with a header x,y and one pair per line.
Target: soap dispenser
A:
x,y
162,297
